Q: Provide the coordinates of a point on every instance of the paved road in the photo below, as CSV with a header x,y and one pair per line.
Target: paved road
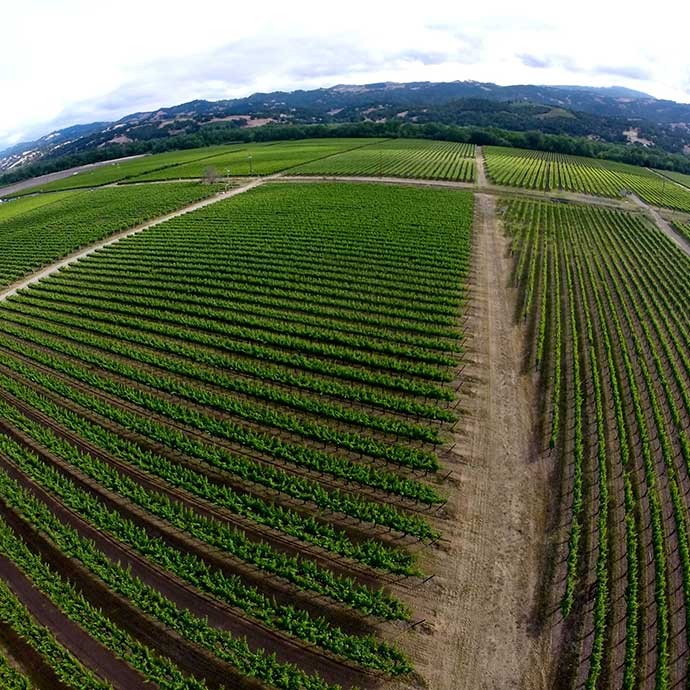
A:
x,y
60,175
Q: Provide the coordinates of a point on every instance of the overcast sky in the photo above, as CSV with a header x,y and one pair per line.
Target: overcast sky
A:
x,y
65,62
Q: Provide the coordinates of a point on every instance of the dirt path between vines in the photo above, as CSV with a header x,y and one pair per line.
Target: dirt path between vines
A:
x,y
112,239
482,180
482,597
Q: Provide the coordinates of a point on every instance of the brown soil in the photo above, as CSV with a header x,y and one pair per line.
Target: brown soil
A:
x,y
90,652
482,180
479,630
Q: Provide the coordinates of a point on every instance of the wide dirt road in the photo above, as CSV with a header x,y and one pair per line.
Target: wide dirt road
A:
x,y
504,492
483,636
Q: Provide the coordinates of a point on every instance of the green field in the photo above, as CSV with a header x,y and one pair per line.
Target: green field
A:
x,y
554,171
39,230
680,178
603,294
269,376
258,159
119,171
16,207
683,228
413,158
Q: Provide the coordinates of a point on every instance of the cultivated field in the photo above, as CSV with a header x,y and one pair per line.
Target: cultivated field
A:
x,y
683,229
258,159
412,158
314,434
554,171
38,230
233,435
678,177
20,206
602,295
120,171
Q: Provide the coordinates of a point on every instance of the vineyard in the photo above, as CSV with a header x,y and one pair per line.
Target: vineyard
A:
x,y
602,293
239,159
411,158
257,159
36,231
219,440
543,171
343,435
683,229
680,178
118,171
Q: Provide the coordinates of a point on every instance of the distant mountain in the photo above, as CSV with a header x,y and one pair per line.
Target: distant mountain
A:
x,y
612,114
28,152
612,91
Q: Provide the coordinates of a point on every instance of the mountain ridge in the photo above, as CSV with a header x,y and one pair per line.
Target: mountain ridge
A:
x,y
613,114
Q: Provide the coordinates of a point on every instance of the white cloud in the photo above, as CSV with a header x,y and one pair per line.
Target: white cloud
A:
x,y
67,61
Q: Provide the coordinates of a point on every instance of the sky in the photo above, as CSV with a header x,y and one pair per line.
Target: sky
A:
x,y
65,62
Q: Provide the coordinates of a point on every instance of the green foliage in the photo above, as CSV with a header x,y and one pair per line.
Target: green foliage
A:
x,y
412,158
555,171
41,233
683,229
625,343
258,159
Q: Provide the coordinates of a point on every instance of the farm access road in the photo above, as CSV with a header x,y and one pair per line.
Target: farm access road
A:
x,y
480,609
504,492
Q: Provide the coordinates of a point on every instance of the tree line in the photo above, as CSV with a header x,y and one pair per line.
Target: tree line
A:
x,y
226,133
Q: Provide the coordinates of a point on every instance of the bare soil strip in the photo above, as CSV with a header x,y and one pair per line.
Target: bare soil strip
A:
x,y
478,607
482,180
